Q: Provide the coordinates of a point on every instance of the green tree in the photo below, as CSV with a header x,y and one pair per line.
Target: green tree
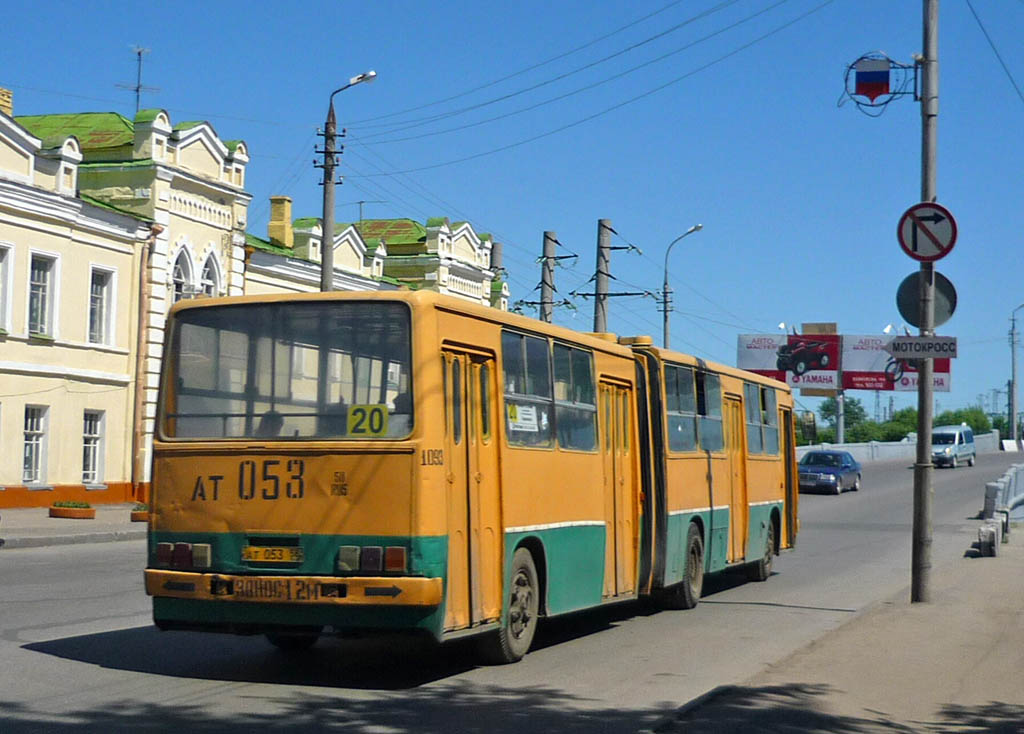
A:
x,y
974,417
853,411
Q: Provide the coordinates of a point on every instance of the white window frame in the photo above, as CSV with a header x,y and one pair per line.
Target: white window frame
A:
x,y
6,265
109,306
188,274
93,447
35,434
52,294
211,286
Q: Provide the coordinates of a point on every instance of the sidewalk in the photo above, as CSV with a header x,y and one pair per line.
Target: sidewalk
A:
x,y
955,664
32,527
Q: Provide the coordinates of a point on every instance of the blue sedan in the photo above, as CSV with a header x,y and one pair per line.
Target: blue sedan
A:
x,y
831,471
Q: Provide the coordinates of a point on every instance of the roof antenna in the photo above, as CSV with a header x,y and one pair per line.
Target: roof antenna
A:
x,y
138,87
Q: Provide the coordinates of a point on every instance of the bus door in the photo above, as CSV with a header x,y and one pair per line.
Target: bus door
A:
x,y
615,403
738,509
788,459
473,497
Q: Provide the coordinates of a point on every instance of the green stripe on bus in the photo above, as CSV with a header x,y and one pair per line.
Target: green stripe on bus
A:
x,y
760,521
716,540
428,555
572,563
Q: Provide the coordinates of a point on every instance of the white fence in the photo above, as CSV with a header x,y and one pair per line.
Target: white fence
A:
x,y
984,443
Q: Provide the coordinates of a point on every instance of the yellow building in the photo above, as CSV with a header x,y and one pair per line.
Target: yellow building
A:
x,y
69,296
188,185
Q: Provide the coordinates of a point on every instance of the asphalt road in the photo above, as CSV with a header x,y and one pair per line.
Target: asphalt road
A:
x,y
78,652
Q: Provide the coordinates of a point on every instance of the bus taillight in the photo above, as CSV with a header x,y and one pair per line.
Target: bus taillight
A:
x,y
394,558
184,555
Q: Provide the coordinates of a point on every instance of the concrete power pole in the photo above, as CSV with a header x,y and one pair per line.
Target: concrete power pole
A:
x,y
547,278
327,238
604,239
921,550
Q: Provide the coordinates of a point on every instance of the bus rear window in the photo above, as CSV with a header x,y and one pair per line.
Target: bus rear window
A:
x,y
287,371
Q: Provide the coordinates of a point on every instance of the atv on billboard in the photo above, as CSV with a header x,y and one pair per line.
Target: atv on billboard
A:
x,y
806,361
817,360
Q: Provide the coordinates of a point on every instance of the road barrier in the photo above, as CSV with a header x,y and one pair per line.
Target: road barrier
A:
x,y
984,443
1004,500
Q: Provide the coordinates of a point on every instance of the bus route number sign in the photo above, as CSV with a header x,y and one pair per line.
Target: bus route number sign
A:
x,y
368,420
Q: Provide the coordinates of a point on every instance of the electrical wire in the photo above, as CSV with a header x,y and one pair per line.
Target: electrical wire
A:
x,y
631,100
521,71
418,122
995,50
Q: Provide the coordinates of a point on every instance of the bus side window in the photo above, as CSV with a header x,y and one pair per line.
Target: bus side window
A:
x,y
709,407
680,405
485,402
528,395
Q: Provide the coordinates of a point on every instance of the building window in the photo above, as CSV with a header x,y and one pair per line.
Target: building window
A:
x,y
210,282
40,296
92,447
181,278
100,307
35,444
5,286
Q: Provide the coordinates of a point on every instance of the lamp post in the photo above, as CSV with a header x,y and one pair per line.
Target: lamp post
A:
x,y
666,292
330,133
1013,374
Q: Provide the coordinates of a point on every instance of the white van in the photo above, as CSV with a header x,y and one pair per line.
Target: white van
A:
x,y
953,445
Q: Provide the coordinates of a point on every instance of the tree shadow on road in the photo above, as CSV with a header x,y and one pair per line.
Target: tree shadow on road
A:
x,y
444,709
802,708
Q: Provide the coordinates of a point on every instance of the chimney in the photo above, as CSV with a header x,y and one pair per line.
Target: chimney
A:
x,y
7,102
279,228
496,263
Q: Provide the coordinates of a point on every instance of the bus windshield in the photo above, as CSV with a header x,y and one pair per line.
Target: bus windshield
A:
x,y
289,371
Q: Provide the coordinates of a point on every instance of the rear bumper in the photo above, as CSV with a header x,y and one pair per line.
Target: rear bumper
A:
x,y
339,591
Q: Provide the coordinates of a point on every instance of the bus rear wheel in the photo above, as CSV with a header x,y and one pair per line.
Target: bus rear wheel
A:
x,y
686,593
515,636
294,641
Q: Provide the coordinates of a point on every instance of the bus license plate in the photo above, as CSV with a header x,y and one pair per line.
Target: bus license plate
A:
x,y
272,554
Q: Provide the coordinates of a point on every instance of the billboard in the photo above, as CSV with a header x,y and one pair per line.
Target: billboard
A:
x,y
831,361
866,365
804,361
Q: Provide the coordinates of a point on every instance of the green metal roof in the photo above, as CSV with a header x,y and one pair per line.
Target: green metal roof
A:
x,y
306,222
94,130
267,246
437,221
147,115
110,207
392,231
189,124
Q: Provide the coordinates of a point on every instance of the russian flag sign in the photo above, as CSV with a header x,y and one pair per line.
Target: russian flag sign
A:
x,y
872,79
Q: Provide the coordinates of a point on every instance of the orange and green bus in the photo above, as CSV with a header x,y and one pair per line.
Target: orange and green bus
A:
x,y
405,461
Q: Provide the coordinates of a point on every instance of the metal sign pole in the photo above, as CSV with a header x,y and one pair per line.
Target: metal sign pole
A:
x,y
921,550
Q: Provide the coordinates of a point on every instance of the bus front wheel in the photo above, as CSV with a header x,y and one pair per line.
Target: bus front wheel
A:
x,y
514,637
686,593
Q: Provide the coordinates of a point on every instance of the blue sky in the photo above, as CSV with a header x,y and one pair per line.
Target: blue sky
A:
x,y
736,128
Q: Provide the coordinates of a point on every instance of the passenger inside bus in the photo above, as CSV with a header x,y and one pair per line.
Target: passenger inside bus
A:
x,y
270,425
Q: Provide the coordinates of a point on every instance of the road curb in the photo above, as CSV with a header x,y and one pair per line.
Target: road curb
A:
x,y
99,537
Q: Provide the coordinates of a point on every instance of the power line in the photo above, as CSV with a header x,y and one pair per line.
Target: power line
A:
x,y
418,122
521,71
995,50
614,107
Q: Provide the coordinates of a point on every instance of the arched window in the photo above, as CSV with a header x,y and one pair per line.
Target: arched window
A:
x,y
210,282
181,278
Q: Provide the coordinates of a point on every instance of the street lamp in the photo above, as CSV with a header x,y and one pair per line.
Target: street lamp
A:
x,y
1013,373
330,133
666,292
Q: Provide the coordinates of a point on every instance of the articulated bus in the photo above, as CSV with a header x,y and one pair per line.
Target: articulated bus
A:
x,y
405,461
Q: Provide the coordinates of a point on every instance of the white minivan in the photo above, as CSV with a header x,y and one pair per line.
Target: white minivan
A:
x,y
953,445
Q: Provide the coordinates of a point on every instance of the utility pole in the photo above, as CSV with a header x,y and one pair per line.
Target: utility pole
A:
x,y
604,239
921,550
329,164
547,278
1014,433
